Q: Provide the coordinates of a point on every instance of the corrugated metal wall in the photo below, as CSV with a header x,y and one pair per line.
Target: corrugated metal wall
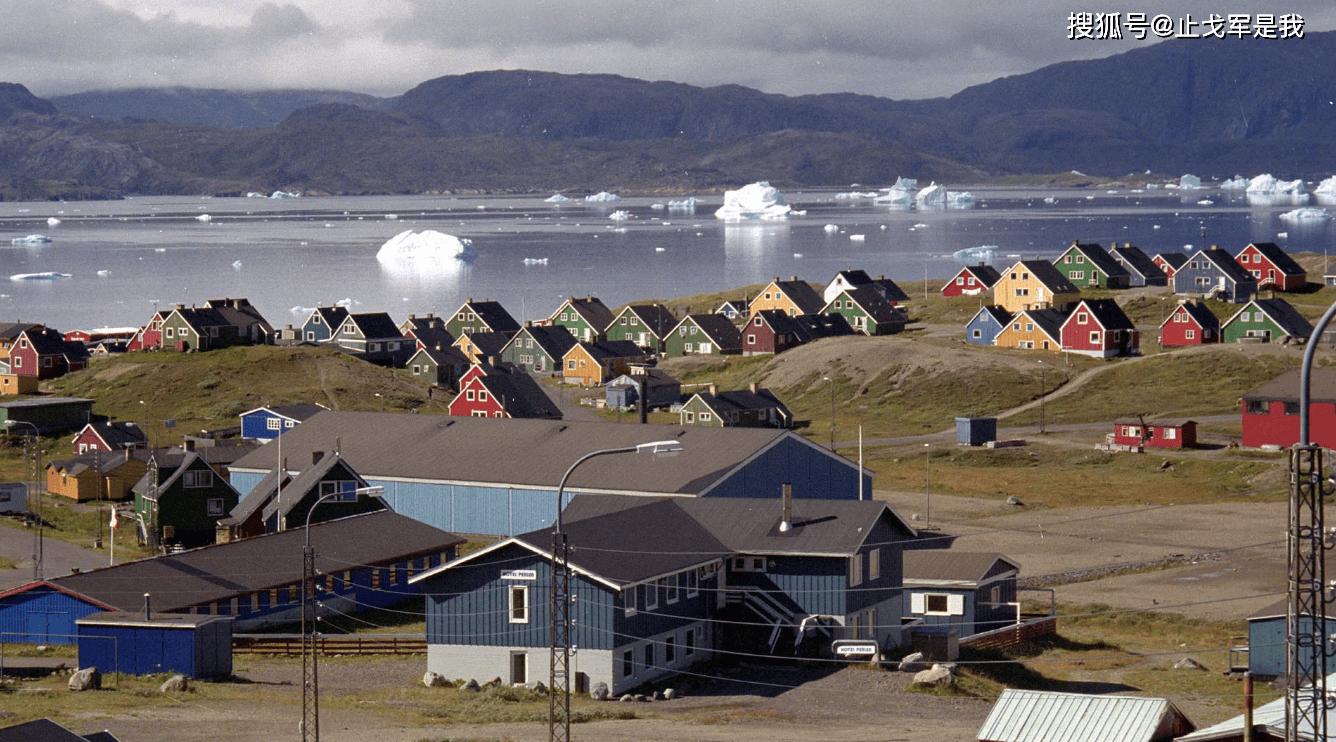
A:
x,y
42,616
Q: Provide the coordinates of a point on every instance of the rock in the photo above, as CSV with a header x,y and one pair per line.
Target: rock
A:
x,y
174,684
1014,500
1187,663
936,677
43,648
493,683
536,688
86,679
669,694
640,699
599,692
628,698
948,666
915,516
434,680
1166,465
472,686
656,696
913,663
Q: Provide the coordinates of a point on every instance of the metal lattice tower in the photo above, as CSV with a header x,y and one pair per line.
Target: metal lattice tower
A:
x,y
1305,641
310,677
559,678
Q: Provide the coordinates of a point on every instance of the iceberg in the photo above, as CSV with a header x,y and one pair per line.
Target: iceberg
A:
x,y
1306,214
855,195
1188,182
104,273
895,195
535,261
831,228
982,253
603,196
933,195
1327,187
1266,184
52,221
1234,184
32,239
687,204
1206,202
959,199
556,198
754,201
857,237
425,245
44,276
236,264
619,215
204,218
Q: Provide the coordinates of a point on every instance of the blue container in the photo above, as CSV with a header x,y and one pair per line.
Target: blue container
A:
x,y
197,646
976,431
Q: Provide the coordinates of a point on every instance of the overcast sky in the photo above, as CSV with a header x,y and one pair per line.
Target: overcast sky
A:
x,y
893,48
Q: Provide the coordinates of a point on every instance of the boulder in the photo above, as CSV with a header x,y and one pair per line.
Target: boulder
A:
x,y
174,684
627,698
493,683
536,688
472,686
86,679
669,694
656,696
1187,663
913,663
434,680
1014,500
936,677
599,692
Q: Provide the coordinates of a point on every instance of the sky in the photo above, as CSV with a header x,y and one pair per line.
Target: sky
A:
x,y
901,49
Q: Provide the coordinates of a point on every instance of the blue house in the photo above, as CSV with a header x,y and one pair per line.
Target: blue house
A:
x,y
44,612
267,423
500,475
137,644
963,591
321,323
660,584
661,390
984,327
1213,274
1140,268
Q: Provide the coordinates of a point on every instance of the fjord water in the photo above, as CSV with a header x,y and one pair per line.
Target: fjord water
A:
x,y
126,257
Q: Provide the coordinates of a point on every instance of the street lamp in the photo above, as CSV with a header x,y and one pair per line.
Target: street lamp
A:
x,y
34,453
832,410
1042,394
310,676
927,485
559,676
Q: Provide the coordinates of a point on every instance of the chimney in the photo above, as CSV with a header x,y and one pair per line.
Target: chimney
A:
x,y
793,278
753,387
786,524
189,444
180,306
148,615
713,390
316,456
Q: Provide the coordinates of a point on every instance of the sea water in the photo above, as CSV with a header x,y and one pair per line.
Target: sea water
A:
x,y
124,259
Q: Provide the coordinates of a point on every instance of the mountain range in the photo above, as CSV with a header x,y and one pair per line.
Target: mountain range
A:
x,y
1213,107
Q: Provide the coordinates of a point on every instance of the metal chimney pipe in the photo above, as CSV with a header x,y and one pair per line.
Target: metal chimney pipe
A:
x,y
786,524
148,615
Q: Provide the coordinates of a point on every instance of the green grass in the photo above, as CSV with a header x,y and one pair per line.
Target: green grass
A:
x,y
80,526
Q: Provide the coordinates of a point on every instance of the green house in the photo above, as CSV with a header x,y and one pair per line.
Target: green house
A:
x,y
587,319
481,316
539,348
867,311
753,407
180,500
703,334
1092,265
646,325
1265,321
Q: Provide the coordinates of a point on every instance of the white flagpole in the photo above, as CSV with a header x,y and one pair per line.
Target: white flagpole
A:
x,y
111,561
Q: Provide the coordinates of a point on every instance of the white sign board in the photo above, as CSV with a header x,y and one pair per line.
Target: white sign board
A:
x,y
519,574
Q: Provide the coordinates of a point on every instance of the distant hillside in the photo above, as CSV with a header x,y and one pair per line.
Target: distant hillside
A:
x,y
235,109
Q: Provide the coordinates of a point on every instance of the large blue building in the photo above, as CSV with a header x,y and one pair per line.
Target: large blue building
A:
x,y
500,476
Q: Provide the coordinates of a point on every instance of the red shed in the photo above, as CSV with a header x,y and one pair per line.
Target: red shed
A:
x,y
1271,411
1135,431
1192,323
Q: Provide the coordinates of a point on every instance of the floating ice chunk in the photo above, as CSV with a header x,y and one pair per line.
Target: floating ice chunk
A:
x,y
1266,184
556,198
831,228
897,196
959,199
44,276
981,253
284,194
1306,214
798,255
688,204
658,249
618,230
920,226
52,221
535,261
857,237
1189,182
159,249
32,239
204,218
602,196
1282,235
619,215
1234,184
425,245
754,201
391,217
1155,226
104,273
855,195
236,264
1205,202
1078,172
1327,187
933,195
1152,186
1050,200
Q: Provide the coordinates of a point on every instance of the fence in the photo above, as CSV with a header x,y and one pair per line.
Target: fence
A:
x,y
1014,634
291,644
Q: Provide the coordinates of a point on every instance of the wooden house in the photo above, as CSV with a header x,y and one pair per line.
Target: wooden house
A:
x,y
321,324
538,349
411,327
773,331
734,309
1270,412
1266,321
1141,270
1272,267
969,592
180,500
660,389
1214,274
44,353
1033,329
1091,265
438,366
587,318
480,346
13,384
110,437
95,475
221,323
663,583
753,407
268,423
972,280
595,363
984,327
482,316
867,312
1170,262
858,279
1034,284
9,335
502,390
704,335
1099,328
1138,431
149,336
1192,323
792,297
370,332
646,325
275,505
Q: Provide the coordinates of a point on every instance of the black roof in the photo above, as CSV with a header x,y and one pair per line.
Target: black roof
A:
x,y
591,308
997,312
1105,311
1225,263
720,329
1285,316
375,325
1048,274
1278,258
656,317
875,305
1134,259
492,314
1199,312
743,400
555,340
1175,260
1100,258
117,435
519,394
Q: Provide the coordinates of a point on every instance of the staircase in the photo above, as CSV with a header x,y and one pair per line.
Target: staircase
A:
x,y
771,611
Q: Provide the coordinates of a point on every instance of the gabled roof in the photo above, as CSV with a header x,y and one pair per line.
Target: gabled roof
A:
x,y
555,340
1174,260
1048,275
947,565
178,463
115,435
800,293
260,495
429,337
1049,321
1106,312
606,350
591,308
309,478
742,400
1098,257
45,730
374,325
654,378
1269,717
1198,312
1000,315
1134,259
874,305
1045,716
99,461
492,314
1225,263
415,324
11,330
519,394
48,342
1286,317
221,571
294,412
331,316
1285,387
718,328
737,305
982,272
1278,257
488,344
817,326
446,355
657,318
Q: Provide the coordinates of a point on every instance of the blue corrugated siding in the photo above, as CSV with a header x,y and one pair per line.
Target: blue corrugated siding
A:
x,y
42,616
664,617
1266,643
245,481
814,474
801,585
256,425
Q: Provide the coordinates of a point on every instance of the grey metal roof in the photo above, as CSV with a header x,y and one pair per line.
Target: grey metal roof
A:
x,y
1041,716
952,566
220,571
1322,387
535,453
1269,716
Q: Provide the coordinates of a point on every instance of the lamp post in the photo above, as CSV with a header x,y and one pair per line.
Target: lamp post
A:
x,y
559,676
34,454
831,384
310,725
927,485
1042,395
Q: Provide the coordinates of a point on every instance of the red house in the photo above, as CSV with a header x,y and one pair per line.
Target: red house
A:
x,y
1271,411
1192,323
502,390
110,436
1098,327
971,280
1135,431
1170,262
1272,267
771,331
149,336
44,353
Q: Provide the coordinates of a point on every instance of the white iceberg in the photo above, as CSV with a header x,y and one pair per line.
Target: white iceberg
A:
x,y
982,253
619,215
959,199
754,201
1050,200
857,237
535,261
1205,202
52,221
1189,182
603,196
284,194
855,195
831,228
687,204
104,273
933,195
32,239
425,245
1307,214
1266,184
556,198
204,218
236,264
1327,187
1234,184
895,195
44,276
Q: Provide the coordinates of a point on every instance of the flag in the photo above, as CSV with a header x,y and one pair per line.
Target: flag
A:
x,y
115,525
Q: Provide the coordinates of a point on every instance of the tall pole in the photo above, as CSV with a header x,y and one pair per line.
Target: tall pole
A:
x,y
927,484
1042,395
32,457
831,383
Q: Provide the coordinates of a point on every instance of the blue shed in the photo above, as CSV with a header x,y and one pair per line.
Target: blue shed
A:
x,y
267,423
44,613
984,327
976,431
965,591
1266,638
193,645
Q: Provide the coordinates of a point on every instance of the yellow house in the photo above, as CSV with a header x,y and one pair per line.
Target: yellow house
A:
x,y
15,384
481,346
597,363
78,478
792,297
1034,284
1033,329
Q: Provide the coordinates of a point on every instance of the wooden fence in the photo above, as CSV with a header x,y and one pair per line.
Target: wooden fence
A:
x,y
291,644
1014,634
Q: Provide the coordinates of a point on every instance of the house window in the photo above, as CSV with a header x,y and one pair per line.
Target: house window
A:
x,y
1291,408
669,650
977,334
1078,275
1080,259
706,417
690,417
672,590
1094,337
693,580
1256,407
519,604
635,321
198,479
1243,317
694,329
856,570
629,601
215,506
339,490
623,320
689,646
960,281
686,347
570,365
751,340
651,595
1082,318
1029,327
936,604
649,655
757,322
628,663
482,395
1170,434
478,413
874,564
273,424
1190,334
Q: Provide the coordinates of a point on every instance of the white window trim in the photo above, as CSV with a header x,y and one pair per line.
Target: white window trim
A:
x,y
522,614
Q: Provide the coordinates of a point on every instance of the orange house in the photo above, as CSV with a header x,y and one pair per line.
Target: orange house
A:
x,y
78,478
1033,329
792,297
1034,284
14,384
597,363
